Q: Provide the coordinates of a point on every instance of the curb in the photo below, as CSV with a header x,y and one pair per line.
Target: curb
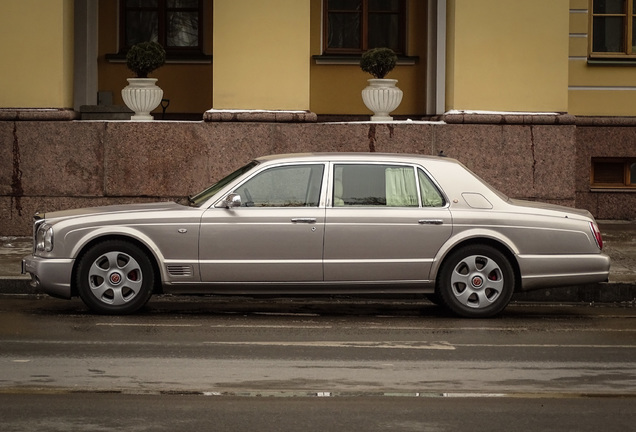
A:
x,y
609,292
606,292
17,285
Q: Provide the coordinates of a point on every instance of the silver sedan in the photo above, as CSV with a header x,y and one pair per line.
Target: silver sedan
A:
x,y
322,224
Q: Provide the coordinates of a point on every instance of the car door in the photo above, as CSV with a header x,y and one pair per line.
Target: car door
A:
x,y
276,235
385,222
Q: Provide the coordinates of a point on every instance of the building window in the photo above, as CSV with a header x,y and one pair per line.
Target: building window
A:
x,y
612,28
175,24
614,173
354,26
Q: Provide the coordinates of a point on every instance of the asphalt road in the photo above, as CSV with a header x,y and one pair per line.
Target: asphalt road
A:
x,y
314,364
136,413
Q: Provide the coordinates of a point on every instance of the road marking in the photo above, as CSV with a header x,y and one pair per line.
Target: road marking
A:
x,y
407,345
349,344
440,345
291,327
416,328
145,325
369,327
473,395
543,346
317,393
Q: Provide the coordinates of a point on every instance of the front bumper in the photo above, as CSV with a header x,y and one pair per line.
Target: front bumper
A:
x,y
52,276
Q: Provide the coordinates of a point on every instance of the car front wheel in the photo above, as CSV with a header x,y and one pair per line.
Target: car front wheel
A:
x,y
115,277
476,281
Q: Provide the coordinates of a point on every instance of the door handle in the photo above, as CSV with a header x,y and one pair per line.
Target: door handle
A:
x,y
430,222
304,220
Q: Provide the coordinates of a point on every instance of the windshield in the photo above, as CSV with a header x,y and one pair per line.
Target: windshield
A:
x,y
198,199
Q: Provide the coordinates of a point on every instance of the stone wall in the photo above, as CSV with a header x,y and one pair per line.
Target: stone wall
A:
x,y
604,137
51,165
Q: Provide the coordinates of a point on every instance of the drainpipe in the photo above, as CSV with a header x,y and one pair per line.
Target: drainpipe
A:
x,y
436,58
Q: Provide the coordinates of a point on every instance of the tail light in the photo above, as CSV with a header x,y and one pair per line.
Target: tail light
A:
x,y
597,235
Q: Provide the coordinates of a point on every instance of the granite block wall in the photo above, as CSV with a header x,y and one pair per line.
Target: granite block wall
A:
x,y
53,165
599,139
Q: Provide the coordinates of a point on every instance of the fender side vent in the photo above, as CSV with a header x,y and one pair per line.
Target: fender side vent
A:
x,y
180,270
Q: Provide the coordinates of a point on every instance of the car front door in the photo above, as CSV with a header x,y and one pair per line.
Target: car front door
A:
x,y
276,235
385,223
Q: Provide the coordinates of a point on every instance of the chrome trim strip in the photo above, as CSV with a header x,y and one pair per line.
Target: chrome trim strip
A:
x,y
318,261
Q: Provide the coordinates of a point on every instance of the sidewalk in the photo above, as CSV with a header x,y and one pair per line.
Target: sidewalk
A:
x,y
619,238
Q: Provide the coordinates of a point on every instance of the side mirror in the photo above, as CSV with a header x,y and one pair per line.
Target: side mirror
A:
x,y
232,200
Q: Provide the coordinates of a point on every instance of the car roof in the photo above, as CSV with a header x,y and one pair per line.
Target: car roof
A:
x,y
355,156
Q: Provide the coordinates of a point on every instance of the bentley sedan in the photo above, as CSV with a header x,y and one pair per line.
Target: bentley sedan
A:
x,y
359,223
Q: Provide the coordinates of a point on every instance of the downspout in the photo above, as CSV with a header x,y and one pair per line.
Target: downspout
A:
x,y
436,57
440,88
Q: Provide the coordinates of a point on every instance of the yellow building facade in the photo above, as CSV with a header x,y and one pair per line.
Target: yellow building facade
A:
x,y
599,85
37,66
507,56
492,55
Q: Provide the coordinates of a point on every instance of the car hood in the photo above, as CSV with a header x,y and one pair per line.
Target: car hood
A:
x,y
112,209
556,210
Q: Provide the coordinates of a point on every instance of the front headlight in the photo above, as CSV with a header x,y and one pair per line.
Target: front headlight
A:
x,y
44,238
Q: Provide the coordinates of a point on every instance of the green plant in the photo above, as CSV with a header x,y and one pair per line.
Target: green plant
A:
x,y
145,57
378,61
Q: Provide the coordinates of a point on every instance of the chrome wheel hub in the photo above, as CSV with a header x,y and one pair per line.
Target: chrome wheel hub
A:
x,y
477,281
115,278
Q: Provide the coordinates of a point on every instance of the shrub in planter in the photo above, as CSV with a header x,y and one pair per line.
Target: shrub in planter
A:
x,y
145,57
381,95
378,62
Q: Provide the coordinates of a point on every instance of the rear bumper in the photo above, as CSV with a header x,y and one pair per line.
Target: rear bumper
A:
x,y
548,271
52,276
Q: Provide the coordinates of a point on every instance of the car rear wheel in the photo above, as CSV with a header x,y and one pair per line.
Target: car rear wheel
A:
x,y
115,277
476,281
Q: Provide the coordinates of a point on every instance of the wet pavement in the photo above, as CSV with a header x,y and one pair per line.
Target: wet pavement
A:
x,y
619,243
619,238
12,250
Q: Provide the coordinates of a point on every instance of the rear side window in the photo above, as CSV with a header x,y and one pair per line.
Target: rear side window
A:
x,y
431,196
374,185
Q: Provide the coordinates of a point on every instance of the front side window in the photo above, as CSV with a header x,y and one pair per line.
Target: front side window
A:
x,y
374,185
175,24
612,28
355,26
199,199
284,186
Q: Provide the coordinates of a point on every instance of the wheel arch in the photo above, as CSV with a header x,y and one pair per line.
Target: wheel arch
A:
x,y
157,289
481,240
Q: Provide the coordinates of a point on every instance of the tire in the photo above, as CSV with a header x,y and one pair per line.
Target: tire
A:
x,y
435,299
476,281
115,277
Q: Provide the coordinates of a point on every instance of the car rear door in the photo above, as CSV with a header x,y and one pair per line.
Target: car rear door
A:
x,y
385,222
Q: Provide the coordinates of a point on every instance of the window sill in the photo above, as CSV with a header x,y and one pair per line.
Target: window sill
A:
x,y
170,58
611,61
613,190
339,59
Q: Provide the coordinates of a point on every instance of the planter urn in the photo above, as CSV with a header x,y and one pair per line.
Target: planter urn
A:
x,y
382,96
142,95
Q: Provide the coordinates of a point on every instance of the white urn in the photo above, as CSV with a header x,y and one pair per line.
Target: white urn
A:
x,y
382,96
142,95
